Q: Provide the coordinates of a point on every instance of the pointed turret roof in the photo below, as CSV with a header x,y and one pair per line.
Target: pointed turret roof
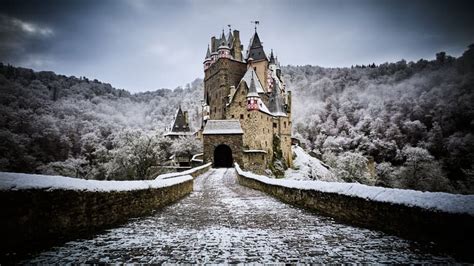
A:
x,y
252,88
272,58
230,39
256,51
222,40
180,122
208,53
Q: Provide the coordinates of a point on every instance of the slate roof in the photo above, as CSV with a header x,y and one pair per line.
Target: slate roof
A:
x,y
223,127
252,88
255,50
180,123
248,79
208,53
275,103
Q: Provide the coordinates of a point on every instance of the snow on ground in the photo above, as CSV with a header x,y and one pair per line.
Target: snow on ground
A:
x,y
441,201
308,168
187,172
221,222
18,181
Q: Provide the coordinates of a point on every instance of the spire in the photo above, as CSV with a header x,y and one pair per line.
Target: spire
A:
x,y
180,122
253,98
230,39
223,40
256,49
252,88
208,53
256,43
272,58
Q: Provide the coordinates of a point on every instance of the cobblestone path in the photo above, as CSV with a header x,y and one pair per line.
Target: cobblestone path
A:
x,y
223,222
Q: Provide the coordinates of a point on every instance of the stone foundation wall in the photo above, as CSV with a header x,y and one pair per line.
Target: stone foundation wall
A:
x,y
452,232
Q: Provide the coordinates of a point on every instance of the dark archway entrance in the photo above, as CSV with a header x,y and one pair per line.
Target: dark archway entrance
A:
x,y
223,156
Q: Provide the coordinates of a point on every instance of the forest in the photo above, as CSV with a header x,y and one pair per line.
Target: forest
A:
x,y
414,120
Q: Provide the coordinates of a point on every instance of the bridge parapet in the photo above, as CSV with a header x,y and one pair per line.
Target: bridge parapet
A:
x,y
446,219
40,211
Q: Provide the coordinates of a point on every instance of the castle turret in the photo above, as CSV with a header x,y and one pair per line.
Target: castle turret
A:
x,y
223,50
207,60
252,96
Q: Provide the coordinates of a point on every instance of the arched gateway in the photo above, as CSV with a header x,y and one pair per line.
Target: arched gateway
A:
x,y
223,142
223,156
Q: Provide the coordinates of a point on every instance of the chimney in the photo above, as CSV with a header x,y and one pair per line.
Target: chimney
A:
x,y
237,46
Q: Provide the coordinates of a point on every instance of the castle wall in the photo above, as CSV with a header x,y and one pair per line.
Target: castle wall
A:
x,y
253,161
259,127
283,130
256,125
217,79
233,141
261,68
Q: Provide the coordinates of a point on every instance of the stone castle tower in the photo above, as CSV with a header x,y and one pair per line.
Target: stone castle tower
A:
x,y
246,108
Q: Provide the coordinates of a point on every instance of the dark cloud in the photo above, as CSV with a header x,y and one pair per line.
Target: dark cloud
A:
x,y
144,44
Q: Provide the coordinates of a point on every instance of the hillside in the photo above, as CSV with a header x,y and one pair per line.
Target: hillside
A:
x,y
53,124
414,119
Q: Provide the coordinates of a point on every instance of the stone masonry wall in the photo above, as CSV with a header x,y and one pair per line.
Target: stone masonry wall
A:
x,y
33,219
212,141
453,232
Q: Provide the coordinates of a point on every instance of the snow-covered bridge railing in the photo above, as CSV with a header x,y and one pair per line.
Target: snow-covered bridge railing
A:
x,y
37,211
447,219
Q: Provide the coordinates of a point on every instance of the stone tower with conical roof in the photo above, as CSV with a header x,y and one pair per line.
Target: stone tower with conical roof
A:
x,y
247,104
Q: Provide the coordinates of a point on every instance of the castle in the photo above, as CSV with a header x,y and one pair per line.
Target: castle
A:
x,y
246,108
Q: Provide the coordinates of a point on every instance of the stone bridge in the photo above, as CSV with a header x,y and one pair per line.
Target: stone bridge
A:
x,y
224,222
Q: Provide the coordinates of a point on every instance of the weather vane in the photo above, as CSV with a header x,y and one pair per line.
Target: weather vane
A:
x,y
256,22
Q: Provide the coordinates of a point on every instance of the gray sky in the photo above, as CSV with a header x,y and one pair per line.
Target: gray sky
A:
x,y
143,45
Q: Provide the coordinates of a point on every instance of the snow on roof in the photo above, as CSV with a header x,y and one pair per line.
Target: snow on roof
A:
x,y
171,133
184,173
215,127
255,151
18,181
247,78
439,201
262,107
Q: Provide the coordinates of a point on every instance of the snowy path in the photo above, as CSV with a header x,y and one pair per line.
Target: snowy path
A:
x,y
223,222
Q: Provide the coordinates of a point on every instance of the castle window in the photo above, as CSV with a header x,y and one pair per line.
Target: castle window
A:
x,y
284,124
248,115
241,116
240,103
232,116
263,157
274,125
